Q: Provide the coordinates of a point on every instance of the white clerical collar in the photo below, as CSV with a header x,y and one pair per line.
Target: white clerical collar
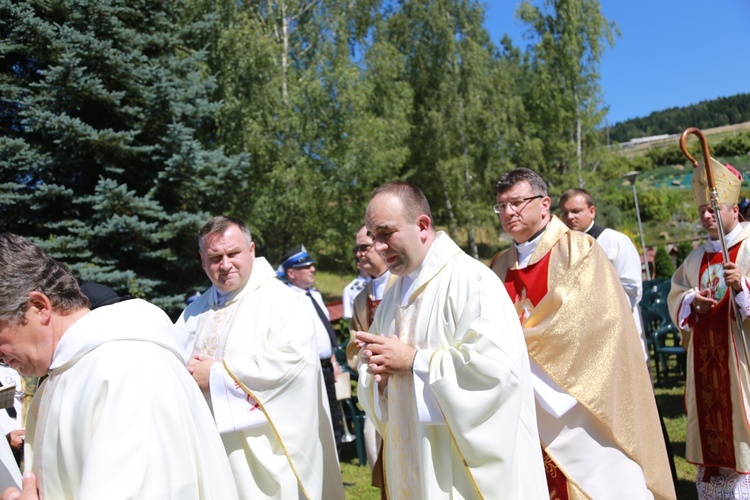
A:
x,y
589,228
526,249
407,283
728,238
378,285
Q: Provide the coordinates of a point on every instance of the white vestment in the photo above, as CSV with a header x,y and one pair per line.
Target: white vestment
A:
x,y
627,263
464,425
10,475
263,340
120,416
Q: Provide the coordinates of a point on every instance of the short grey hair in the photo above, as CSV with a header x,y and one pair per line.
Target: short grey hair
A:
x,y
218,225
25,268
510,179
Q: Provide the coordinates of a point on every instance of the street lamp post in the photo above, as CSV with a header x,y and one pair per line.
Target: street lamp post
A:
x,y
631,176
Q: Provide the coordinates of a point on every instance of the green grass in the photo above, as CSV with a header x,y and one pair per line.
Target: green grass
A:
x,y
359,478
670,400
331,285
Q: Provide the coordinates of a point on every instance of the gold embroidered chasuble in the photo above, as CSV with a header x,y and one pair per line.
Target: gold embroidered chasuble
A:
x,y
263,339
707,413
485,444
582,335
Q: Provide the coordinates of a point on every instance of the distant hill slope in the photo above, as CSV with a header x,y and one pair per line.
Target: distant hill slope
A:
x,y
705,114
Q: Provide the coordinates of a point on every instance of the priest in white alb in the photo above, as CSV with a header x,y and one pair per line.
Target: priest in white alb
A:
x,y
444,372
119,415
256,360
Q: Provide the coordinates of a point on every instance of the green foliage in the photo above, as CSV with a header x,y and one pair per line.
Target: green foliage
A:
x,y
705,114
104,117
663,265
683,250
563,95
736,145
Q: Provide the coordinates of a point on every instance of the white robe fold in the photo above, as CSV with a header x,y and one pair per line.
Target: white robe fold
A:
x,y
120,416
488,445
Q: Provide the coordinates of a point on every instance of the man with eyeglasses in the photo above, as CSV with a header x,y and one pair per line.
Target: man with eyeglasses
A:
x,y
355,286
365,305
300,274
255,359
444,372
595,407
577,211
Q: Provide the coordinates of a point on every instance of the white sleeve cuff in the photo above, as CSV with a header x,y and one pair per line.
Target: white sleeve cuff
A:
x,y
233,409
427,406
686,310
743,300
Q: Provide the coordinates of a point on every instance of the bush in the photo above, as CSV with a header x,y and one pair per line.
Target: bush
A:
x,y
663,264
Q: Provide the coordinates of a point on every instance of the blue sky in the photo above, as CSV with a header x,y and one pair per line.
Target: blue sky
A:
x,y
670,53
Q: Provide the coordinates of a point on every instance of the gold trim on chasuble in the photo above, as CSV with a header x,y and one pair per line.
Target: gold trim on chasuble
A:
x,y
273,427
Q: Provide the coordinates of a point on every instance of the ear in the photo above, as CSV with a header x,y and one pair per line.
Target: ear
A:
x,y
546,204
251,248
424,222
593,210
40,305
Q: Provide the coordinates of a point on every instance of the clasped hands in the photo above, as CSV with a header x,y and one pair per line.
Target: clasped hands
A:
x,y
199,367
384,356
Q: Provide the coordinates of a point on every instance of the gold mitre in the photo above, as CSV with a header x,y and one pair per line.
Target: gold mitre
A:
x,y
728,183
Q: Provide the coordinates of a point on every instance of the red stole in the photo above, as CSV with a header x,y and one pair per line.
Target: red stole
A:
x,y
372,306
711,357
526,288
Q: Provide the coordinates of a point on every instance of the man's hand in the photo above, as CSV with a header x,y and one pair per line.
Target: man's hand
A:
x,y
703,302
385,355
199,367
733,276
15,439
29,492
336,367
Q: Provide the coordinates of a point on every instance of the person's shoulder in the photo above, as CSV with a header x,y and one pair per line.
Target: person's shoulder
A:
x,y
498,256
472,269
613,234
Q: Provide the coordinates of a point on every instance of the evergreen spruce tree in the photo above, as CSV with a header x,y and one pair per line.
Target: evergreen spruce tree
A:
x,y
105,128
663,264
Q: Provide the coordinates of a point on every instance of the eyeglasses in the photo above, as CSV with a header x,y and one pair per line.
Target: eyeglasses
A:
x,y
362,248
515,205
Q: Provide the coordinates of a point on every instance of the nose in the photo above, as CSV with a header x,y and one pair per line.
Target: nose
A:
x,y
225,264
379,246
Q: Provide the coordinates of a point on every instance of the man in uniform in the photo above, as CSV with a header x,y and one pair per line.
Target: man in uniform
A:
x,y
300,274
577,211
118,415
444,372
596,411
255,359
700,302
